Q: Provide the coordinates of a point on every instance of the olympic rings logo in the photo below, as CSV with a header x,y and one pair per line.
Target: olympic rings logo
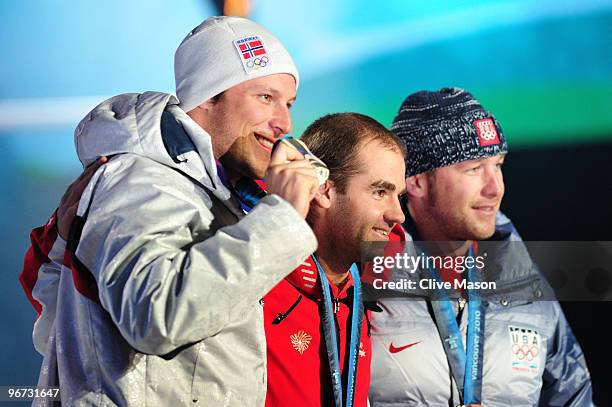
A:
x,y
488,135
258,62
525,352
486,129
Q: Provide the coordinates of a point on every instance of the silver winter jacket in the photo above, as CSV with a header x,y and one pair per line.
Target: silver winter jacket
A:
x,y
531,356
173,314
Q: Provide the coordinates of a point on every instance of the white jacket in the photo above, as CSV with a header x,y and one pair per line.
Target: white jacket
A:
x,y
162,304
410,366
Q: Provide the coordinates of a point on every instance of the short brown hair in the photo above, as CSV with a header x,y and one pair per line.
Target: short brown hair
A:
x,y
336,139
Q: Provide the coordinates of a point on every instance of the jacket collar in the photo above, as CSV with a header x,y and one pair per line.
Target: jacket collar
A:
x,y
509,263
306,279
152,125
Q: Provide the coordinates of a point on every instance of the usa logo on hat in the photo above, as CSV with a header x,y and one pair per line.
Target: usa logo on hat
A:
x,y
252,53
487,133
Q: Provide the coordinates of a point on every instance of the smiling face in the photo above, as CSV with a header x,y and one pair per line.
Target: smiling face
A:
x,y
369,207
246,120
461,200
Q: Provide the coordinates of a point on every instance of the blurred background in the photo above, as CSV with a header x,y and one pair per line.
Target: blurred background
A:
x,y
544,67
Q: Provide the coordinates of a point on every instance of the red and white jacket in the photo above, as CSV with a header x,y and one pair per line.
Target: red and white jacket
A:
x,y
40,278
298,367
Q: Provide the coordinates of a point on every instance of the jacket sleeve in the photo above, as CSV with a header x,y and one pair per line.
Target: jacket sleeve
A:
x,y
566,377
40,278
166,276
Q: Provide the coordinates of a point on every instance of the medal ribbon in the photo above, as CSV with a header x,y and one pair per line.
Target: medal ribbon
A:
x,y
331,336
465,363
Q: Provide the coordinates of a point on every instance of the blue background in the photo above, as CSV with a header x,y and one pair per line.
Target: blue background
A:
x,y
543,67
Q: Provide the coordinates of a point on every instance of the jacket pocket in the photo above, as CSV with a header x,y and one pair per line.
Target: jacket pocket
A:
x,y
282,315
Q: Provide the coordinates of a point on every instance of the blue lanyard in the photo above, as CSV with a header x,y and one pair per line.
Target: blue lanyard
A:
x,y
466,364
331,338
246,190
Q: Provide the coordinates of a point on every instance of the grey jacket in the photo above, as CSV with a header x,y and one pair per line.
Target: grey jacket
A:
x,y
162,306
410,368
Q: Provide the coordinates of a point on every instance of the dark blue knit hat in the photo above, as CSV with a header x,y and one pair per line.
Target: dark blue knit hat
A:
x,y
446,127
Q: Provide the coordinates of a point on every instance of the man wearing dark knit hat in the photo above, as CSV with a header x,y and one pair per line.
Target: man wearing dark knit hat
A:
x,y
455,153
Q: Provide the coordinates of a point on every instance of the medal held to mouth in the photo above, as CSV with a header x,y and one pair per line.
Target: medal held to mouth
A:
x,y
320,168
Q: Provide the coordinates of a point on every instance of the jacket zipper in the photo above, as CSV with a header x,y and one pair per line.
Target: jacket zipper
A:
x,y
460,306
336,308
461,303
282,315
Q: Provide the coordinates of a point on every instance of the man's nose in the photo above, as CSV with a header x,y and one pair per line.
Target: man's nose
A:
x,y
394,213
494,183
281,122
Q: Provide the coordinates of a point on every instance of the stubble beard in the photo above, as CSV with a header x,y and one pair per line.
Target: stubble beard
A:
x,y
240,161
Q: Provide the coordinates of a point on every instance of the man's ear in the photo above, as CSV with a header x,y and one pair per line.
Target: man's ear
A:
x,y
200,114
325,195
208,105
416,185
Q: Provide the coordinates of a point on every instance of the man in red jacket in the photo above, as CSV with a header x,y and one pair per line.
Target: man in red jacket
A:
x,y
358,203
317,332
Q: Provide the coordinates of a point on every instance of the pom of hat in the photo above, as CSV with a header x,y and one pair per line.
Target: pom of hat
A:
x,y
223,52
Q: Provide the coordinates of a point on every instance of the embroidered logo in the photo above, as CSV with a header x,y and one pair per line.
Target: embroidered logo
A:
x,y
487,133
525,349
300,341
253,53
394,349
362,353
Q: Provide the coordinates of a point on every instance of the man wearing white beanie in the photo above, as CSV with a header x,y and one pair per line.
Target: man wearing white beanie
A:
x,y
159,301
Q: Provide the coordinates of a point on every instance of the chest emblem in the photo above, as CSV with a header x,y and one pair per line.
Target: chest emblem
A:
x,y
300,341
362,352
525,349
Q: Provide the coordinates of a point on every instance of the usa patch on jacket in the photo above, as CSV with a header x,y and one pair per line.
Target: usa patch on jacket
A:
x,y
252,53
525,349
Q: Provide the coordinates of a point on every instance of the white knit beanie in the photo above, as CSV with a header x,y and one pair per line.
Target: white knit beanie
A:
x,y
223,52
